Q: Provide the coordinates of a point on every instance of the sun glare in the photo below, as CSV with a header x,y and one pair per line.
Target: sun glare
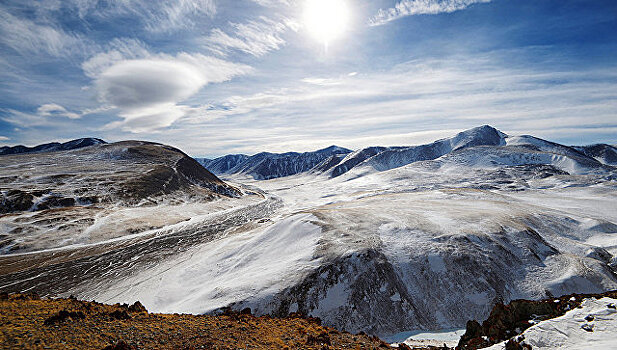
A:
x,y
326,20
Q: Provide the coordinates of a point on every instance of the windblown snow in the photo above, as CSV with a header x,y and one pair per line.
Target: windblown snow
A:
x,y
391,239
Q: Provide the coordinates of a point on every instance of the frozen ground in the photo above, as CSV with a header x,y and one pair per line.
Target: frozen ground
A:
x,y
424,246
401,249
592,326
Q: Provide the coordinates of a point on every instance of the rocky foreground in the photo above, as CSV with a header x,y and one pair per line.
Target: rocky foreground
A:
x,y
27,321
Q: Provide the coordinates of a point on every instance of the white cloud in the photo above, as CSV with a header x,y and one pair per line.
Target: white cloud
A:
x,y
256,38
28,37
55,110
4,138
148,91
393,107
119,49
272,3
420,7
156,16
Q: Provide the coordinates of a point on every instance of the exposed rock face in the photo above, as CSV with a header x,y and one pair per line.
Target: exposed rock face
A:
x,y
507,321
266,165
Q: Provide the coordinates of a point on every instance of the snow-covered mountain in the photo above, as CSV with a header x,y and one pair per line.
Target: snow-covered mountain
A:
x,y
265,165
399,239
603,153
483,146
52,147
80,188
223,164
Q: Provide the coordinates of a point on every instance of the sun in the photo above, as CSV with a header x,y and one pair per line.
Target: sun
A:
x,y
326,20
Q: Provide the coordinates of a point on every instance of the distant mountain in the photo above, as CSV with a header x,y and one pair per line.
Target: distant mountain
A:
x,y
52,147
265,165
603,153
223,164
385,158
483,146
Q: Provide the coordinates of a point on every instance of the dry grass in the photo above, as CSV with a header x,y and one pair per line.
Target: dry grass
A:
x,y
90,325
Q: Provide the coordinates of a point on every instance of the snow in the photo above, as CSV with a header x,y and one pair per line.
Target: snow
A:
x,y
249,265
566,332
449,337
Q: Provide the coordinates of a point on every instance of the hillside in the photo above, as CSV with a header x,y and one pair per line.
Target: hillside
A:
x,y
29,322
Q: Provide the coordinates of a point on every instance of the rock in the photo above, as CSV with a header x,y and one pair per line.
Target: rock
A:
x,y
120,345
137,307
16,200
589,318
323,338
512,344
588,327
64,315
120,315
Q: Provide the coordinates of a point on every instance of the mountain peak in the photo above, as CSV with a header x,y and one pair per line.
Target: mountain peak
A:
x,y
333,150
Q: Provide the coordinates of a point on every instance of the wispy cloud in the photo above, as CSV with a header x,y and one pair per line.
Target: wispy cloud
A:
x,y
45,115
28,37
420,7
154,16
257,37
404,105
4,138
55,110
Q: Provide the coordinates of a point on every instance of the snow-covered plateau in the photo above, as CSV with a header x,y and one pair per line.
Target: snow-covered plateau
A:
x,y
382,240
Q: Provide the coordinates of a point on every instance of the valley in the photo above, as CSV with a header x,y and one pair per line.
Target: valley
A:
x,y
382,240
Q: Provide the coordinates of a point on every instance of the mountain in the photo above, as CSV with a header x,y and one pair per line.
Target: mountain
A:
x,y
481,147
381,159
80,187
223,164
265,165
603,153
402,239
52,147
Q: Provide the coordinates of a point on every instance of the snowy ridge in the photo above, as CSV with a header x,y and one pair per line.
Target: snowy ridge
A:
x,y
223,164
264,166
52,147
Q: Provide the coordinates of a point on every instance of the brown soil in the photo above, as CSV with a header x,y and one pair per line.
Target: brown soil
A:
x,y
28,322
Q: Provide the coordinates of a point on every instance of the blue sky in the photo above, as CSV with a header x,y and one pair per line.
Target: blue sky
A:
x,y
214,77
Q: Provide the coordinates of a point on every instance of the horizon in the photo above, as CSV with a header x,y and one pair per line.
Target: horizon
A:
x,y
212,157
214,78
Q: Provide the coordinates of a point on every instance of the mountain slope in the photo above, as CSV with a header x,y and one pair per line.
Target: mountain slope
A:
x,y
77,188
382,159
605,154
264,166
52,147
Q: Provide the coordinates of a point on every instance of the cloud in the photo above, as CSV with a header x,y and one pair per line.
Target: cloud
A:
x,y
45,115
154,16
391,107
148,91
28,37
256,38
55,110
406,8
4,138
118,49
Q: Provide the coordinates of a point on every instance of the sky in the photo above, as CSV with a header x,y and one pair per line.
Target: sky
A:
x,y
214,77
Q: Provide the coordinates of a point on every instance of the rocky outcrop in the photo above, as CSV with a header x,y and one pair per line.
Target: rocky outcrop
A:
x,y
507,321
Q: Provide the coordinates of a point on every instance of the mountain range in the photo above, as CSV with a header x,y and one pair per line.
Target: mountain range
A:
x,y
489,144
52,147
382,240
